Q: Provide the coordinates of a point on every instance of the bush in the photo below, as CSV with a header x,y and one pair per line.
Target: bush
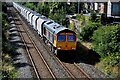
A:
x,y
88,30
82,19
93,16
110,65
30,5
112,59
72,26
7,68
5,22
106,40
103,18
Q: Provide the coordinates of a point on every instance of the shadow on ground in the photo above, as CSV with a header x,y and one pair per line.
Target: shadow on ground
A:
x,y
81,55
18,65
18,44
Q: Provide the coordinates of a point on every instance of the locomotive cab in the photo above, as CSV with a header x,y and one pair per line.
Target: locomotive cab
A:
x,y
59,37
66,40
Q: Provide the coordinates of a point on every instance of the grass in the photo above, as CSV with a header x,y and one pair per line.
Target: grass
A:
x,y
87,44
7,68
110,71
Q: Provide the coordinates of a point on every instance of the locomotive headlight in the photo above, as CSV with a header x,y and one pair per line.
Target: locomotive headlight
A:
x,y
59,48
73,48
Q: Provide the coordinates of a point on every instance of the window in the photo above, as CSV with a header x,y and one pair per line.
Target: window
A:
x,y
44,30
61,38
49,35
53,39
71,38
115,9
49,23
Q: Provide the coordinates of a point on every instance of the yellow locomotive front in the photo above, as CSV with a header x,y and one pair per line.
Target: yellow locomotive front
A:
x,y
66,41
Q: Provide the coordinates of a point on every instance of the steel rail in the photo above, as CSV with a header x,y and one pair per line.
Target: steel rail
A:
x,y
39,52
28,53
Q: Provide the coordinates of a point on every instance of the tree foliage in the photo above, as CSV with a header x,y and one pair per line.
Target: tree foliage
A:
x,y
7,68
54,10
87,31
72,26
103,18
106,40
57,12
4,7
31,5
71,9
93,16
40,7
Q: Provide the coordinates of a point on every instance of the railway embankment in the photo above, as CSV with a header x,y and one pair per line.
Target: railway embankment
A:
x,y
20,60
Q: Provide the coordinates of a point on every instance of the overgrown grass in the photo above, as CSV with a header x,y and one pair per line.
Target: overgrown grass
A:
x,y
109,70
83,20
107,44
7,68
87,44
72,26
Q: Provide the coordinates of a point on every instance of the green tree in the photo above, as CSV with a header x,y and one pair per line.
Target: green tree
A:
x,y
93,16
4,7
106,40
30,5
103,18
7,68
72,26
71,9
46,10
40,7
88,30
57,12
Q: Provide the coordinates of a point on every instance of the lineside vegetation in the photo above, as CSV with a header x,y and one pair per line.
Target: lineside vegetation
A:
x,y
7,68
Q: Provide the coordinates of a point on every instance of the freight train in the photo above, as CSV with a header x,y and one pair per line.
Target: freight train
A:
x,y
57,36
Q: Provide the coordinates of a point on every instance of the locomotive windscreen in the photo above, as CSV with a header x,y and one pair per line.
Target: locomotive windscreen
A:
x,y
61,38
71,38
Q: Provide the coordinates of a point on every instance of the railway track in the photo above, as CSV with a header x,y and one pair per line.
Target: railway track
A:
x,y
40,66
73,70
67,67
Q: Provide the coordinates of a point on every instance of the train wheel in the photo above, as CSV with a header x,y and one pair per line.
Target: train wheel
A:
x,y
43,39
46,42
53,49
55,52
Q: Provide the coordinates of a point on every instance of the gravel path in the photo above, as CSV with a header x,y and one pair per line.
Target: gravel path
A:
x,y
92,71
20,59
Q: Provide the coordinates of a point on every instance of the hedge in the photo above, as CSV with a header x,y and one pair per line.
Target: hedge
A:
x,y
88,30
106,40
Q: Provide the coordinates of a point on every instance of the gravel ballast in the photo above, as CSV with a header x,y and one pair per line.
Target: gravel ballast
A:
x,y
20,59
